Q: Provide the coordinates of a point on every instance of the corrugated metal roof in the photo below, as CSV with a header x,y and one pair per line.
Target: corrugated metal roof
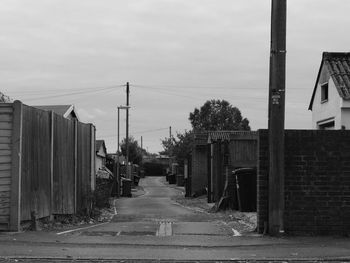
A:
x,y
203,138
219,135
230,135
338,66
200,138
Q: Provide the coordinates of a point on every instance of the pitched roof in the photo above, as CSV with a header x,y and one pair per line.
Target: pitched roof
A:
x,y
338,66
63,110
98,144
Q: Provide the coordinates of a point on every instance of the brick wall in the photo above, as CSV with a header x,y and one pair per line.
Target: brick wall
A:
x,y
317,182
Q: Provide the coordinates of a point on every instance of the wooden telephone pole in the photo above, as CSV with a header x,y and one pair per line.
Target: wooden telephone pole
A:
x,y
276,116
127,130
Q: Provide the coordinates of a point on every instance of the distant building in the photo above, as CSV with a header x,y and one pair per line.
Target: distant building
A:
x,y
67,111
101,154
330,101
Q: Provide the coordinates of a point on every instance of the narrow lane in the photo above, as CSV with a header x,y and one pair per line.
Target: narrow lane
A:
x,y
152,227
155,213
155,204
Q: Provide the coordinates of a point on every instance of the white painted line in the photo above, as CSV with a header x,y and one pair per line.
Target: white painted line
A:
x,y
165,229
168,229
82,228
236,233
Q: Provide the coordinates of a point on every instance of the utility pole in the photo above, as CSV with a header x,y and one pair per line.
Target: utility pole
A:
x,y
118,159
127,129
276,116
170,132
141,143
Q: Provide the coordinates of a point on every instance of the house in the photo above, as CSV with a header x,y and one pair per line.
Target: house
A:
x,y
101,154
330,101
67,111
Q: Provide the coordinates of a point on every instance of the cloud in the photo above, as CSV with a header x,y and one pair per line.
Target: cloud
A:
x,y
76,44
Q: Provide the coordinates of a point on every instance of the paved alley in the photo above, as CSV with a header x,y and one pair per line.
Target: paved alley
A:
x,y
152,227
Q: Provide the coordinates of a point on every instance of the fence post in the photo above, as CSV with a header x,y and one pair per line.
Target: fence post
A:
x,y
75,165
93,154
51,162
16,166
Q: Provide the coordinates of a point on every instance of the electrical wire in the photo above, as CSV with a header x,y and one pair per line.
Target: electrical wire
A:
x,y
200,87
60,90
138,132
72,93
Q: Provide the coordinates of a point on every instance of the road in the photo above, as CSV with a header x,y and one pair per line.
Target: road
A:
x,y
155,214
153,227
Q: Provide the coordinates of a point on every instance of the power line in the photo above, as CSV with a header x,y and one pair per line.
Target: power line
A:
x,y
67,89
199,87
72,93
139,132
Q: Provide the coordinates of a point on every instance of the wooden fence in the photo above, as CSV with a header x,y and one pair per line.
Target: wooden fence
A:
x,y
47,164
229,150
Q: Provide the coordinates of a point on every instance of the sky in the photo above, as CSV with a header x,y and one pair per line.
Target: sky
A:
x,y
176,54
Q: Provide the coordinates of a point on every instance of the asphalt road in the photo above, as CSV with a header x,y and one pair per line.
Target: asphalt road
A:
x,y
151,227
155,214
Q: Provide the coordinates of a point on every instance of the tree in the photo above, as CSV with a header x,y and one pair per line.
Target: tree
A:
x,y
135,151
168,146
179,147
218,115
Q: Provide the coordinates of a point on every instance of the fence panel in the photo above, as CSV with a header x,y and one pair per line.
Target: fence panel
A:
x,y
63,166
243,153
83,166
46,164
6,127
35,167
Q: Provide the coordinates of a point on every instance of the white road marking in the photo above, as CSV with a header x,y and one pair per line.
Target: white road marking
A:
x,y
78,229
165,229
236,233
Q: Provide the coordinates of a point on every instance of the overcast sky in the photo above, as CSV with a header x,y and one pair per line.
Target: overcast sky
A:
x,y
176,54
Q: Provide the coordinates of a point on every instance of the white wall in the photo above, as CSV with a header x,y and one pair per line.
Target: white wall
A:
x,y
345,118
99,162
329,109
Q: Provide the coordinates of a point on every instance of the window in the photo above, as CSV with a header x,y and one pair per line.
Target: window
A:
x,y
326,126
324,92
